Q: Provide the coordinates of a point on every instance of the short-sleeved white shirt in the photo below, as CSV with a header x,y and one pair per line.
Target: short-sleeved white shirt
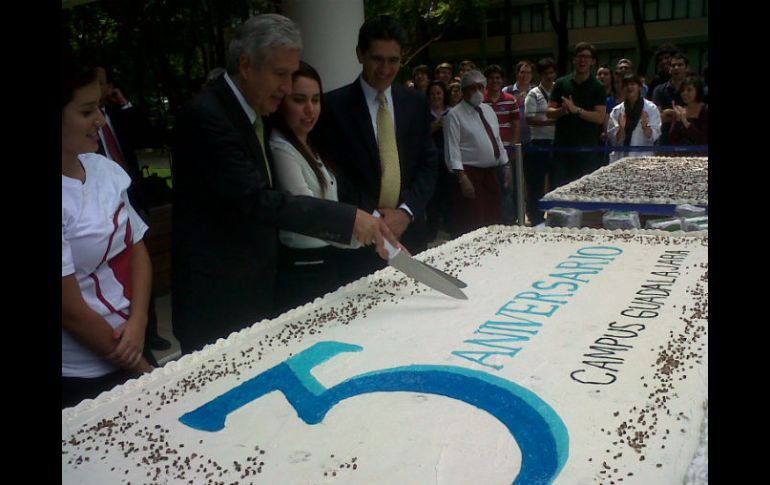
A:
x,y
536,106
98,229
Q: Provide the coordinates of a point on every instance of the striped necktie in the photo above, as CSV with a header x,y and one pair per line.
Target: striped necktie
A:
x,y
259,129
390,186
112,149
489,133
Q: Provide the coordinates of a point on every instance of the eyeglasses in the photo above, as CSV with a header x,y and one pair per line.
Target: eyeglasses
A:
x,y
584,56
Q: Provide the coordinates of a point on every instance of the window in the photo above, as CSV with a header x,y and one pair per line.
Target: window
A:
x,y
537,18
650,10
515,20
592,14
698,8
616,12
680,9
604,14
577,17
547,26
526,20
665,8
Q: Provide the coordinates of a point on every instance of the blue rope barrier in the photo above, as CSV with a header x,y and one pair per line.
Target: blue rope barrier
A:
x,y
613,148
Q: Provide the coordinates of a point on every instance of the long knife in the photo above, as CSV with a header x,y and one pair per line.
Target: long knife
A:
x,y
424,273
457,282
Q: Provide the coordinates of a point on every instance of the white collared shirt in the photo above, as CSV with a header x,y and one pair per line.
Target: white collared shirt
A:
x,y
250,112
466,141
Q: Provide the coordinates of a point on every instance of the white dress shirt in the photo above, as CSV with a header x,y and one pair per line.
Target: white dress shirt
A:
x,y
466,141
252,115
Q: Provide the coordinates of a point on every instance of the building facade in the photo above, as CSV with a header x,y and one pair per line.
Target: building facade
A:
x,y
608,24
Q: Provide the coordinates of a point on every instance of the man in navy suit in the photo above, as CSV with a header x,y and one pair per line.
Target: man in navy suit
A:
x,y
350,122
226,211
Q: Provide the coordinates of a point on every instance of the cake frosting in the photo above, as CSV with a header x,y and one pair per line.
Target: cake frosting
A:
x,y
580,357
641,180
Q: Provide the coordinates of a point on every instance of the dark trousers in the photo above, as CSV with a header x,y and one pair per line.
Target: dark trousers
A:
x,y
570,166
537,164
485,209
508,199
304,275
438,213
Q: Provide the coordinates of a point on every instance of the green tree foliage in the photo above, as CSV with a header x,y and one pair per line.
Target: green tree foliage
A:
x,y
158,50
426,21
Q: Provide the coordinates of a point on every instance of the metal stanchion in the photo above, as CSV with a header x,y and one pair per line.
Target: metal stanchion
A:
x,y
519,185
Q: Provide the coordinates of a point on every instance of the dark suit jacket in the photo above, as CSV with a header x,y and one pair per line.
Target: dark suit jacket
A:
x,y
347,125
125,127
226,218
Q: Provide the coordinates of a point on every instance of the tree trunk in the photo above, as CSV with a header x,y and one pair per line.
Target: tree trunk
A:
x,y
508,59
559,23
484,36
641,38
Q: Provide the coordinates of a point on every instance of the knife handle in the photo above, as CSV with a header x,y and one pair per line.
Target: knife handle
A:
x,y
392,251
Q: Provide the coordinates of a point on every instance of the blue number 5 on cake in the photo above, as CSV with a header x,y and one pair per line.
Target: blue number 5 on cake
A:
x,y
537,429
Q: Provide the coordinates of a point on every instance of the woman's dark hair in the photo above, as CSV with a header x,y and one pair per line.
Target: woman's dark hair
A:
x,y
607,66
494,69
444,90
314,140
696,83
633,111
74,76
523,63
632,78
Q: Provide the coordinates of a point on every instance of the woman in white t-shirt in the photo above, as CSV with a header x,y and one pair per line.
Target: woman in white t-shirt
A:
x,y
307,266
106,271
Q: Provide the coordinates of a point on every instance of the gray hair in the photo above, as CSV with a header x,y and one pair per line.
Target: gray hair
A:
x,y
257,36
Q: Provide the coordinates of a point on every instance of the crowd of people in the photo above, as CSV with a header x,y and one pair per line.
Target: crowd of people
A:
x,y
284,192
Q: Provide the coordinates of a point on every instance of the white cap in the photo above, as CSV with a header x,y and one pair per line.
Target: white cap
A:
x,y
473,77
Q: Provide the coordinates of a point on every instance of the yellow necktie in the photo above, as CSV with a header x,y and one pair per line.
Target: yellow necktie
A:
x,y
390,187
260,131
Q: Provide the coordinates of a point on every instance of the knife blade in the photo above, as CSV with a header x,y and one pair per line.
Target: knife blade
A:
x,y
423,273
457,282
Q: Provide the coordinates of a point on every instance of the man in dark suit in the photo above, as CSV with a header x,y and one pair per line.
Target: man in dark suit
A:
x,y
117,137
226,211
396,181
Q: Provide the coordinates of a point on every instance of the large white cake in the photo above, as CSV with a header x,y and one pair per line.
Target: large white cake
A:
x,y
640,180
580,357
